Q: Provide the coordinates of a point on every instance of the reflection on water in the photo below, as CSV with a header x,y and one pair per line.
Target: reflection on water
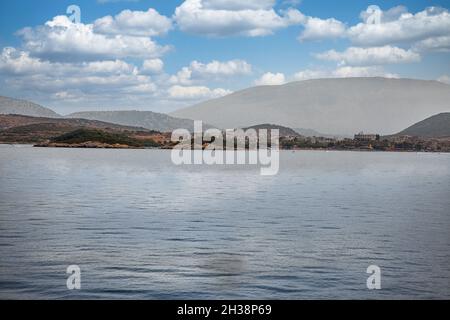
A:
x,y
140,227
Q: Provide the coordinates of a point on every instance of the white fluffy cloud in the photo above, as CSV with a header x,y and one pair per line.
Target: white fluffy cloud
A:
x,y
401,26
344,72
351,72
26,72
438,44
389,15
107,83
152,66
227,68
196,92
60,39
134,23
16,62
271,79
198,71
355,56
230,18
427,30
319,29
117,59
109,67
383,37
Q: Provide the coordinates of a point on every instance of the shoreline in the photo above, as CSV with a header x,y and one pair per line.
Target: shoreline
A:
x,y
124,147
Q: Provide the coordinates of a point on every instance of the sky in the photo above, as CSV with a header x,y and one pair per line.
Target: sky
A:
x,y
162,55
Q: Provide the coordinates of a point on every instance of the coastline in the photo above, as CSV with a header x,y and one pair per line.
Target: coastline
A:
x,y
125,147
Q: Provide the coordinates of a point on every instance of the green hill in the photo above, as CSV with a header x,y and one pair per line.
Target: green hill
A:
x,y
92,135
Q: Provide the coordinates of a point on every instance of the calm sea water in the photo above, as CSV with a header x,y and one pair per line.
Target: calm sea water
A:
x,y
140,227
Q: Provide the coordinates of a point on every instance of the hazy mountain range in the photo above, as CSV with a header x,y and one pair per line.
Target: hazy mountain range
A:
x,y
26,108
146,119
338,107
314,133
15,120
335,106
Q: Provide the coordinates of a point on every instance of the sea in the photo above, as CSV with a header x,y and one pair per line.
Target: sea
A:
x,y
137,226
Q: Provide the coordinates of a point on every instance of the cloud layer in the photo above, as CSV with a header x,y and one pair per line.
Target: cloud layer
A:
x,y
119,59
355,56
404,28
198,71
395,26
271,79
134,23
220,18
61,39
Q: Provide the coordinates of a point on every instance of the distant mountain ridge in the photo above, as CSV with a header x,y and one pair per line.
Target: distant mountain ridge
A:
x,y
146,119
284,131
27,129
14,121
143,119
336,106
339,107
26,108
314,133
437,126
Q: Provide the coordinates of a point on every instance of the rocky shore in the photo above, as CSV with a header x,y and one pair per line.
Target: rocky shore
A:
x,y
88,145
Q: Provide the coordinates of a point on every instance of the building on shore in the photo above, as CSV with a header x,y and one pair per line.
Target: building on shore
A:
x,y
367,137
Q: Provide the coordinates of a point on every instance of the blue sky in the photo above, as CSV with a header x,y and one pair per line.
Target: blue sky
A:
x,y
163,55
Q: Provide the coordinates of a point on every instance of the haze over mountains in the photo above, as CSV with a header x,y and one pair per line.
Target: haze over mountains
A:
x,y
15,120
335,106
146,119
26,108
